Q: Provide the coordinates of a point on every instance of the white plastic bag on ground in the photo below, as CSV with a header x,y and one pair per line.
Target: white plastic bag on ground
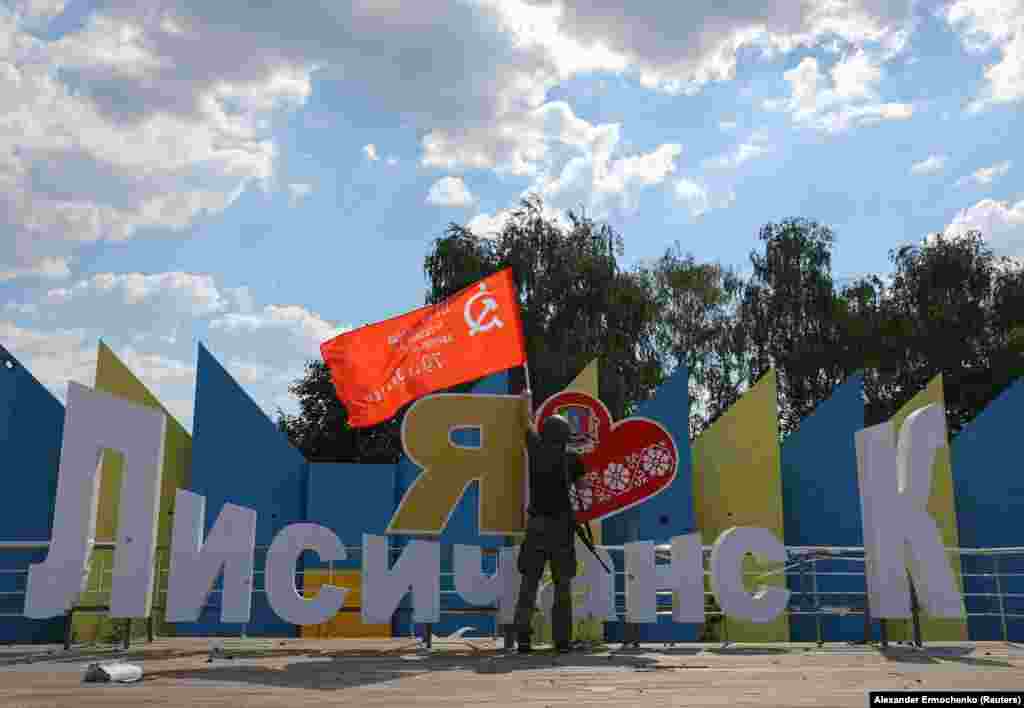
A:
x,y
116,672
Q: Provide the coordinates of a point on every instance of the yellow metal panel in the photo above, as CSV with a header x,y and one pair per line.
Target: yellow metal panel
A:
x,y
737,481
942,507
343,624
113,377
586,382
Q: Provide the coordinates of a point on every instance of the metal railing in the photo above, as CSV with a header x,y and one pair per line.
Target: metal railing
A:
x,y
803,569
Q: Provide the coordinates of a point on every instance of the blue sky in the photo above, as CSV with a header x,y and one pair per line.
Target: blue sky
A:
x,y
262,177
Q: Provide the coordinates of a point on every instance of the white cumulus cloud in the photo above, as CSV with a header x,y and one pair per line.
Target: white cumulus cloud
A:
x,y
679,47
450,192
38,12
844,99
145,116
298,191
1000,222
987,25
153,321
669,47
54,356
98,141
490,225
929,166
986,175
699,199
756,146
602,182
277,328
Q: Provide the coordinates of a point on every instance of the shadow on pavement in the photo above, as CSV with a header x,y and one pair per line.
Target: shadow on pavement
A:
x,y
660,651
749,651
907,655
136,656
937,655
980,663
340,672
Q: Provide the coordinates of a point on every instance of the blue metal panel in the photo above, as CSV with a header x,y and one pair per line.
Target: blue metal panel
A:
x,y
264,621
668,514
351,500
239,456
821,507
821,500
989,487
31,430
15,628
671,512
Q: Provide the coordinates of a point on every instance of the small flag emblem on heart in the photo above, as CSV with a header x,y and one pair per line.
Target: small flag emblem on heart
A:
x,y
627,462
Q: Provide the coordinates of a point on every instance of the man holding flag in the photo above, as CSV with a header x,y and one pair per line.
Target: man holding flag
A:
x,y
551,528
379,368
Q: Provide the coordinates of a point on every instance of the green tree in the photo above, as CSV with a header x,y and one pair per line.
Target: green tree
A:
x,y
953,308
576,303
321,430
697,328
790,316
950,306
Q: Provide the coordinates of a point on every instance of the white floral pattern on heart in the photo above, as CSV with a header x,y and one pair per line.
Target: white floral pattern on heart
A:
x,y
656,460
617,478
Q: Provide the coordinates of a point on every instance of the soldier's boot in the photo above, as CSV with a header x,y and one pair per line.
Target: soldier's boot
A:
x,y
524,615
561,617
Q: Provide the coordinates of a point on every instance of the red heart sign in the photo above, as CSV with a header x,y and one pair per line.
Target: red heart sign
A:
x,y
627,462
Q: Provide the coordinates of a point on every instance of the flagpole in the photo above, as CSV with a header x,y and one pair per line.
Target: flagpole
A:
x,y
526,478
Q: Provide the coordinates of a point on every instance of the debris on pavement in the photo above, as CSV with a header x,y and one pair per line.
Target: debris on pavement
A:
x,y
117,672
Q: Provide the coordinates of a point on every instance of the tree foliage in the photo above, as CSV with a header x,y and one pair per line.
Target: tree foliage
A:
x,y
321,431
794,317
576,303
952,308
697,328
949,306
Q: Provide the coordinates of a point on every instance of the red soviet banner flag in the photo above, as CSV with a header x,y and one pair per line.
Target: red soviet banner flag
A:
x,y
379,368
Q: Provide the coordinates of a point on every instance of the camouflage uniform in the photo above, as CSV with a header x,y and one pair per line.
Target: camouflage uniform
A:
x,y
550,531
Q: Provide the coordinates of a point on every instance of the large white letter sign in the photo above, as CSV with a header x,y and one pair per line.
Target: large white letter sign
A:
x,y
470,581
684,576
195,565
596,584
727,574
283,596
418,570
895,485
511,579
93,421
599,596
502,588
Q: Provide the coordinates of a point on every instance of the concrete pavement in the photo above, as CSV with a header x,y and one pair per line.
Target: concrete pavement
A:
x,y
397,672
